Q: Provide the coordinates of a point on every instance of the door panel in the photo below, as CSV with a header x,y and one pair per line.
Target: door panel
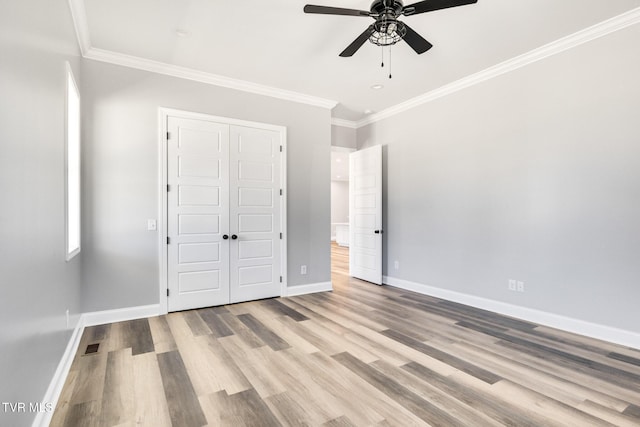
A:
x,y
198,213
254,170
365,212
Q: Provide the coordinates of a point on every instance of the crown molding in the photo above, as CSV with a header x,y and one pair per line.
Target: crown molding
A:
x,y
204,77
576,39
79,16
81,25
344,123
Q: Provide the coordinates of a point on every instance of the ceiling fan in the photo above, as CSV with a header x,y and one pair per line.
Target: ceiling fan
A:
x,y
388,30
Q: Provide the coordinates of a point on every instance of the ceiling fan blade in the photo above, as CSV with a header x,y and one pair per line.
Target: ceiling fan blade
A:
x,y
357,43
327,10
431,5
416,41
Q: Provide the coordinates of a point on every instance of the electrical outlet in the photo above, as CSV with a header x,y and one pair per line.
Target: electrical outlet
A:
x,y
396,265
520,286
512,285
152,225
303,269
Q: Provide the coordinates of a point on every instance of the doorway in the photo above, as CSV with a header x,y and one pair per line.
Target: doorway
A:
x,y
340,214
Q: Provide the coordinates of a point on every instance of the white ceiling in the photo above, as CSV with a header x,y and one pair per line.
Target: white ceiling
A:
x,y
274,43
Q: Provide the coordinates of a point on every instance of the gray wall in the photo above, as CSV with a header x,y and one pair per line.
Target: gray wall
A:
x,y
38,285
121,174
534,176
342,136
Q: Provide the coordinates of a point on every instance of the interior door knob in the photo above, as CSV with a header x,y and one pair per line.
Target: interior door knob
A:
x,y
378,231
234,237
225,236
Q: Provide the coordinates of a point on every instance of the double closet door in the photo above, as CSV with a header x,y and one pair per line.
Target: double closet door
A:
x,y
223,213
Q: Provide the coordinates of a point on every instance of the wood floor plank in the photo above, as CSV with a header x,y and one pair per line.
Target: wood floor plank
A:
x,y
499,410
447,358
607,414
264,333
216,325
226,372
151,407
83,414
361,355
139,336
161,334
289,411
284,310
241,330
633,411
64,401
183,404
117,404
196,324
89,384
265,381
457,409
396,391
200,366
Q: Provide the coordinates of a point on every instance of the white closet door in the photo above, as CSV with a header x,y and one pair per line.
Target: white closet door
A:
x,y
198,213
365,214
254,197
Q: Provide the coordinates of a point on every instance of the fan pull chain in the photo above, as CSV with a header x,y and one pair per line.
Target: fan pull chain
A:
x,y
389,61
382,56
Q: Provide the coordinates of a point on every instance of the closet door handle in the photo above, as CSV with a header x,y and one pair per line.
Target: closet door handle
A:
x,y
225,236
234,237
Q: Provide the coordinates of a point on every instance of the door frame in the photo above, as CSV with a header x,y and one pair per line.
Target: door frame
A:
x,y
163,115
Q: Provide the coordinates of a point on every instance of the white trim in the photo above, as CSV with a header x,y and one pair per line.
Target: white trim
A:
x,y
310,288
344,123
163,276
79,16
120,314
601,29
52,395
283,211
576,326
163,114
204,77
342,149
70,82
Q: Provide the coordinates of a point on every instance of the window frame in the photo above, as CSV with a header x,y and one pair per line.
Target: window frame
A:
x,y
72,169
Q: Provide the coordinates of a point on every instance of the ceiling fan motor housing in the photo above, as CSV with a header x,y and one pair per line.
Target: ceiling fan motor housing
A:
x,y
392,7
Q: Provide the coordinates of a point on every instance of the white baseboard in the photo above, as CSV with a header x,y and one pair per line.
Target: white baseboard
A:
x,y
309,289
120,314
52,394
43,419
576,326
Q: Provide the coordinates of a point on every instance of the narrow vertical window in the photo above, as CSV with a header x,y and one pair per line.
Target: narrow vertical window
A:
x,y
72,166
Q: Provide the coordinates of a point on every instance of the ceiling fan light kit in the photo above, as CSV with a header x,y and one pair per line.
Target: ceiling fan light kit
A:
x,y
387,30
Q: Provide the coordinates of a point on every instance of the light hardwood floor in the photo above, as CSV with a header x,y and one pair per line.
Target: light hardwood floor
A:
x,y
360,355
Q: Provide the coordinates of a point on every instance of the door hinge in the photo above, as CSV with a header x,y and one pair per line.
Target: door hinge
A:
x,y
168,136
280,236
280,279
168,240
167,291
281,191
281,148
168,188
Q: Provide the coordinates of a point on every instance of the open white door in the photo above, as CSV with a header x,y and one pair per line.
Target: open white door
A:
x,y
365,214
